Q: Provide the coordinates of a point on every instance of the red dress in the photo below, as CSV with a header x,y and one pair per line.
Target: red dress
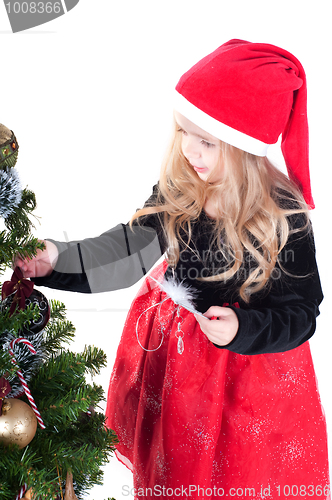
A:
x,y
209,423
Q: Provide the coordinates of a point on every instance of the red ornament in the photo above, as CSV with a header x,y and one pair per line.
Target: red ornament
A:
x,y
18,285
4,390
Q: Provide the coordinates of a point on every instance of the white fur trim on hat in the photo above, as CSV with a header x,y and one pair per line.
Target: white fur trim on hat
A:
x,y
218,129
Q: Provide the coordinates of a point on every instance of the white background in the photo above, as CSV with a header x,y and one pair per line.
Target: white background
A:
x,y
89,97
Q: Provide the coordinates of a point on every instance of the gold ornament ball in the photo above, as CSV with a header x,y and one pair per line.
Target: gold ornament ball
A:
x,y
18,423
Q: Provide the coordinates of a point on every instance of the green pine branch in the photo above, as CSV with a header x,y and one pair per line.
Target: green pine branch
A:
x,y
76,438
7,369
12,244
19,221
94,359
57,311
14,322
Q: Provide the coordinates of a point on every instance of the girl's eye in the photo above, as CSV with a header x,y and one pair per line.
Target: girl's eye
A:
x,y
207,144
182,131
203,141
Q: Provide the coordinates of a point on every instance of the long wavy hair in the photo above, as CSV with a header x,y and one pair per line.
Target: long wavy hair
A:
x,y
252,204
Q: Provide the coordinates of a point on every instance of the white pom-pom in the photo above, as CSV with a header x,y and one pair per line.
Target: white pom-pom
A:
x,y
182,294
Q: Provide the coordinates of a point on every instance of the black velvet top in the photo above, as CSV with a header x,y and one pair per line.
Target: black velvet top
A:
x,y
280,318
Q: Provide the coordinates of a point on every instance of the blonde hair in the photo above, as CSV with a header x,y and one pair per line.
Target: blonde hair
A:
x,y
252,201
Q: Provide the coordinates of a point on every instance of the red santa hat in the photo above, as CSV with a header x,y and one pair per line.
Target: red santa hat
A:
x,y
247,94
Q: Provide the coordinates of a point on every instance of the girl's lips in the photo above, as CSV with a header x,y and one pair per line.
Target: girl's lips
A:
x,y
200,170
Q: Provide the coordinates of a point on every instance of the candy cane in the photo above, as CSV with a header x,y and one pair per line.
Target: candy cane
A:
x,y
20,376
21,492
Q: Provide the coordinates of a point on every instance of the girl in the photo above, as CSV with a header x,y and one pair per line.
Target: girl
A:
x,y
225,403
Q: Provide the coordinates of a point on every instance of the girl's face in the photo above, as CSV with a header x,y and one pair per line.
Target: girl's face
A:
x,y
201,149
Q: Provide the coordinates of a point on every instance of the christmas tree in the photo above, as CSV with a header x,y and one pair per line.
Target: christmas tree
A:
x,y
53,441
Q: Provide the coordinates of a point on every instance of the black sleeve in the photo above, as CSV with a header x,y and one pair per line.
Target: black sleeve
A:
x,y
116,259
286,317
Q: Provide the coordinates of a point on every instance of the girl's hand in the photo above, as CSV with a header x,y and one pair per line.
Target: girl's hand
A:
x,y
220,331
40,265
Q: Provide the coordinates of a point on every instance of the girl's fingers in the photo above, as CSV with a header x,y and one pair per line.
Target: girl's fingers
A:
x,y
216,312
222,330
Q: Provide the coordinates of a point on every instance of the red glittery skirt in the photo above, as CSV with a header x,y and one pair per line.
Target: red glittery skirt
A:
x,y
209,423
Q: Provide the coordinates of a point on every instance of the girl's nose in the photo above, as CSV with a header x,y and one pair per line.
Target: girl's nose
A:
x,y
190,148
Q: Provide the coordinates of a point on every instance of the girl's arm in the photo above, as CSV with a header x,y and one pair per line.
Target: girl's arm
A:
x,y
266,330
285,317
116,259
